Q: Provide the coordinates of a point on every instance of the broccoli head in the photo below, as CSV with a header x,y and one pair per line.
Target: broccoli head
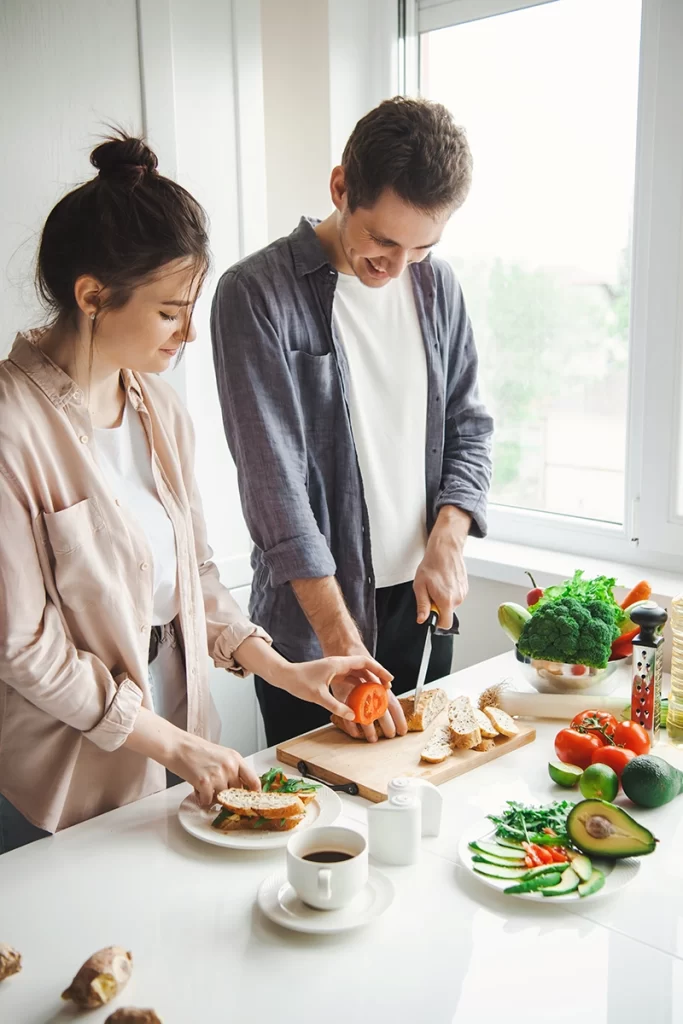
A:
x,y
565,631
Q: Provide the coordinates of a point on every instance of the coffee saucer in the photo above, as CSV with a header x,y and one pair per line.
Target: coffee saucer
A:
x,y
279,902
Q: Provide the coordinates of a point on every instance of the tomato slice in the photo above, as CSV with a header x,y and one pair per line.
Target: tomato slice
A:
x,y
368,701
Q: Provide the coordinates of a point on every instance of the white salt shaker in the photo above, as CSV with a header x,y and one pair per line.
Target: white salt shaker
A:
x,y
394,830
427,794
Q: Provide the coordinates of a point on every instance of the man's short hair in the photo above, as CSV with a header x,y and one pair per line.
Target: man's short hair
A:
x,y
412,146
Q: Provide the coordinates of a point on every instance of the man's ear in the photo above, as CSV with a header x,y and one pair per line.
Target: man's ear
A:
x,y
338,188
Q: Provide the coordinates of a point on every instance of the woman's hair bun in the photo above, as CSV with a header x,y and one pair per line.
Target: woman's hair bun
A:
x,y
122,154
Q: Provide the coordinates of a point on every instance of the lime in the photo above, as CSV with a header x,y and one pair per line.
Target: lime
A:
x,y
599,781
564,774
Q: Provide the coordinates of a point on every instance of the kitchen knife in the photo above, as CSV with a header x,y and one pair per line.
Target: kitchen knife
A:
x,y
426,654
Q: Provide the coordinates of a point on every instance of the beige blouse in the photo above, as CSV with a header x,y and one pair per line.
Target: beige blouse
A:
x,y
76,591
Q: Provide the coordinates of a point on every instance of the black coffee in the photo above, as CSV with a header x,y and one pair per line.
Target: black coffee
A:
x,y
328,856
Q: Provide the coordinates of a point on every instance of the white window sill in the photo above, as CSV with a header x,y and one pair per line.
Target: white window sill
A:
x,y
505,562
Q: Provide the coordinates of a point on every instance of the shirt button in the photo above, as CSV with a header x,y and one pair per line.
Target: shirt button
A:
x,y
144,566
117,502
84,439
143,628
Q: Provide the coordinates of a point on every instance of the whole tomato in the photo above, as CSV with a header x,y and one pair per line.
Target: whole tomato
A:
x,y
633,737
616,757
575,747
597,723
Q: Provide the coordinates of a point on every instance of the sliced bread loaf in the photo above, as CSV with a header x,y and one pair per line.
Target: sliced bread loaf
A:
x,y
488,731
464,730
431,704
501,721
439,746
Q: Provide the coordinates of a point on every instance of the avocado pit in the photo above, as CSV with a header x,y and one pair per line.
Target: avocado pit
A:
x,y
599,827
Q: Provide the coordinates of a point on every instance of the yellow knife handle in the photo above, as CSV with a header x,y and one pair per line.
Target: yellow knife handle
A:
x,y
433,619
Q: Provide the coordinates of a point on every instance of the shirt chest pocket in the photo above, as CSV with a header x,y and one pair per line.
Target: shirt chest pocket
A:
x,y
82,556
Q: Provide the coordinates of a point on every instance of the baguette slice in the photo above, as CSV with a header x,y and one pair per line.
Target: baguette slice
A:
x,y
430,705
260,805
439,746
486,744
500,719
238,823
486,727
465,733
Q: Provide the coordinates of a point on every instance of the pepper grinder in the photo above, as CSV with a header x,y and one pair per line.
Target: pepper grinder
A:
x,y
429,797
646,691
394,830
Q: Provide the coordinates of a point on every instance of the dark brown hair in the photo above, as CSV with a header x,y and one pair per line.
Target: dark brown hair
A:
x,y
120,227
413,147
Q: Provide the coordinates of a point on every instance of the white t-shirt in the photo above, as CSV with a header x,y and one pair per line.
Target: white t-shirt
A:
x,y
125,459
381,335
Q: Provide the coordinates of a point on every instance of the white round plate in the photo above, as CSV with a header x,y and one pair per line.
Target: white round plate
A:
x,y
280,903
323,810
618,873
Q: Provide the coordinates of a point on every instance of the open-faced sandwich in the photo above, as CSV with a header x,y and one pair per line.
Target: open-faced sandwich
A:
x,y
279,807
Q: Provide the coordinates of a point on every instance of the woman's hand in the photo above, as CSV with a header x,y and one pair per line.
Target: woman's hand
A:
x,y
313,680
209,767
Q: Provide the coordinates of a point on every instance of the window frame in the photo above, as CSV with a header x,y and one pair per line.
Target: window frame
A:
x,y
652,531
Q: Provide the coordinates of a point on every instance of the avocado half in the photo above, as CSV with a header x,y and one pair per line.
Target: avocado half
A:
x,y
603,830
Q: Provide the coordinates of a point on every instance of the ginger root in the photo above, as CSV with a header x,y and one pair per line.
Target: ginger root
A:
x,y
100,978
10,961
130,1015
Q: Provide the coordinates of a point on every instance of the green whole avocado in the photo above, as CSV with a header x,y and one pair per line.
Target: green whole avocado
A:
x,y
651,781
600,829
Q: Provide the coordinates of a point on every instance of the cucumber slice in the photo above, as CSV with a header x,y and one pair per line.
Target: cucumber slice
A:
x,y
496,871
494,850
532,884
488,858
545,869
569,882
512,844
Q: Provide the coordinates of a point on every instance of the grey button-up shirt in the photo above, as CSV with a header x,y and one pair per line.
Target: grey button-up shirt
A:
x,y
283,382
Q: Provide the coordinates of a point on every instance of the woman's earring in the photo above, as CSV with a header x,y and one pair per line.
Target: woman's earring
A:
x,y
93,315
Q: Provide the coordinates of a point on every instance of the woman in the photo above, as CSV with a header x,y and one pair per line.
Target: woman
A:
x,y
109,601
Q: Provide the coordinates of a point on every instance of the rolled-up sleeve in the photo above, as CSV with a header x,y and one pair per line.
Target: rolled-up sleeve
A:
x,y
265,435
37,658
466,472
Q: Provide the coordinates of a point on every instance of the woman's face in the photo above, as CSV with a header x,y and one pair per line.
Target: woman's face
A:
x,y
147,332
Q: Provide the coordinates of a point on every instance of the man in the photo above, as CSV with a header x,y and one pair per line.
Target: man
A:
x,y
347,375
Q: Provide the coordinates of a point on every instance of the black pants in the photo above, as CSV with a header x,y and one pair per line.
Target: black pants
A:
x,y
400,643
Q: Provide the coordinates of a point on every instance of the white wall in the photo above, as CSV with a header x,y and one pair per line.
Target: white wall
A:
x,y
325,64
66,69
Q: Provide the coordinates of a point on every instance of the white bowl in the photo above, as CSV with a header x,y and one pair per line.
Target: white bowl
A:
x,y
551,677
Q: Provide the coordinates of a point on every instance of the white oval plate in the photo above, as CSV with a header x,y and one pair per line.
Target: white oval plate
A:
x,y
618,873
323,810
280,903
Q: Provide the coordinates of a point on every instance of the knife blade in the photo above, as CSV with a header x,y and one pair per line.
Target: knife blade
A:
x,y
426,654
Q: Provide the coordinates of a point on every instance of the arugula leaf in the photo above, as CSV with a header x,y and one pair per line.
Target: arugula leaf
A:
x,y
520,821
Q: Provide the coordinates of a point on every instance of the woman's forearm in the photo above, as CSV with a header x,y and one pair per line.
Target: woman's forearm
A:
x,y
154,737
257,656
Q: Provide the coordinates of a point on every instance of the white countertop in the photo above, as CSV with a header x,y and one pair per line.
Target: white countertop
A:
x,y
448,950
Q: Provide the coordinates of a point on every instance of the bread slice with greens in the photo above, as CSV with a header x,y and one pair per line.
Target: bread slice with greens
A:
x,y
227,822
264,805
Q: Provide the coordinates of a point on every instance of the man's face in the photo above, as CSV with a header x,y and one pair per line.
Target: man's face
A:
x,y
378,242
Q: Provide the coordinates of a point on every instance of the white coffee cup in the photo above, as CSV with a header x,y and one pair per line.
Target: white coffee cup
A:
x,y
327,884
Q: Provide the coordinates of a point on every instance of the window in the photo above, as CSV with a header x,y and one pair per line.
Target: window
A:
x,y
560,249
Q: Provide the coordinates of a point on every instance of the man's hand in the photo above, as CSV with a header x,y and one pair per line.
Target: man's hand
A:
x,y
392,723
441,578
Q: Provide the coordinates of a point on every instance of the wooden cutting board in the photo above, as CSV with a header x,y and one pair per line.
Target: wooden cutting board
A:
x,y
334,757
